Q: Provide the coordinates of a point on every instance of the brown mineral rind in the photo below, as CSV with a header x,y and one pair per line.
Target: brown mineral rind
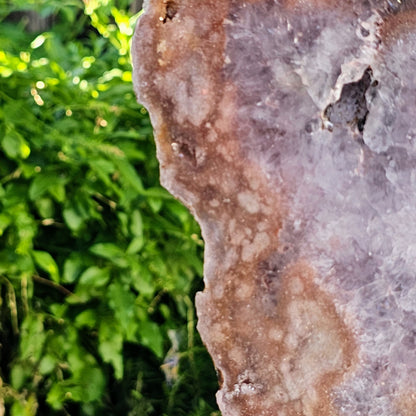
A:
x,y
278,315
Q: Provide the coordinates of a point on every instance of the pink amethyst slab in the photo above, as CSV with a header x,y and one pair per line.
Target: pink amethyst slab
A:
x,y
288,128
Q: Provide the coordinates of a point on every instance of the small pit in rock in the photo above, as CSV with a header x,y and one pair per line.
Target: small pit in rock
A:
x,y
351,109
170,11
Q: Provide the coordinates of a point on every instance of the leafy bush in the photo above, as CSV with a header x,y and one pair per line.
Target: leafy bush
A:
x,y
98,263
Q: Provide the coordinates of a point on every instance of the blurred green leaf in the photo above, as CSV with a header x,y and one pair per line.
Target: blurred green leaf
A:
x,y
94,276
136,223
135,245
129,175
46,262
47,182
152,337
45,207
144,282
5,221
47,364
73,218
111,252
72,268
122,301
15,146
110,347
87,318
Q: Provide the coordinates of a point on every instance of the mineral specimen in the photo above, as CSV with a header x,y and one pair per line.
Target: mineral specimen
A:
x,y
288,127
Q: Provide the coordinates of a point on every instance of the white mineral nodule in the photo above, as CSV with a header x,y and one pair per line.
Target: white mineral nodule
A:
x,y
288,127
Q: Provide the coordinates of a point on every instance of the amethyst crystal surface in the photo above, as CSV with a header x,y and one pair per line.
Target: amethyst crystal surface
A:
x,y
288,127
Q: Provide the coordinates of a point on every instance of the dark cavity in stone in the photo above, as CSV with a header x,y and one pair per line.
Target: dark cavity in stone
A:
x,y
351,109
170,11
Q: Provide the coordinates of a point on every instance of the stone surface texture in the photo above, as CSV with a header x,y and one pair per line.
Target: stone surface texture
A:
x,y
288,127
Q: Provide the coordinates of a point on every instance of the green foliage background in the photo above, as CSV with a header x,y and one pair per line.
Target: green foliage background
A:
x,y
98,263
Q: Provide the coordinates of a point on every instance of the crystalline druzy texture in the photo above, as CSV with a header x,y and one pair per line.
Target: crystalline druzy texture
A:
x,y
288,127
